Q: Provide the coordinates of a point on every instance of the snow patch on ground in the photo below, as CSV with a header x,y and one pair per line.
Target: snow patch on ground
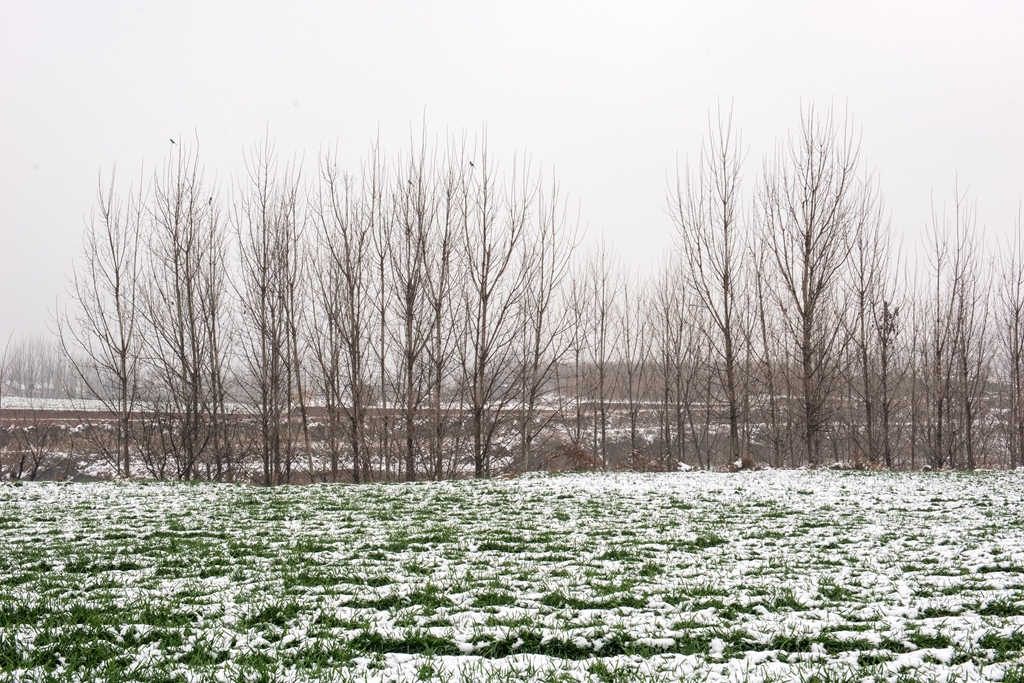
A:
x,y
773,575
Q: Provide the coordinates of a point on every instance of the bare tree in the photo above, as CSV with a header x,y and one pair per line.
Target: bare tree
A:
x,y
35,439
808,209
382,294
1011,338
37,367
951,355
327,336
414,215
185,223
971,338
295,309
102,338
707,214
635,343
667,308
344,234
775,393
919,367
548,249
436,314
892,369
572,380
700,381
267,222
871,326
491,240
3,368
443,312
603,274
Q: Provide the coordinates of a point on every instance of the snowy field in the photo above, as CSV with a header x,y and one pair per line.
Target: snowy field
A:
x,y
765,576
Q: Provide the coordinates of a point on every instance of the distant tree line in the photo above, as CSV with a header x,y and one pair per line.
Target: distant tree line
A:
x,y
433,315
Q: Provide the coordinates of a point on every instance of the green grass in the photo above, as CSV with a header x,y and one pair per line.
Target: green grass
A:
x,y
584,577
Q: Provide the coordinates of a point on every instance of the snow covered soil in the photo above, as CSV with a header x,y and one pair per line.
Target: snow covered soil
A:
x,y
764,576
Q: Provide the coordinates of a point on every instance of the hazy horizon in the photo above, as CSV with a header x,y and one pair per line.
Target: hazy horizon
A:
x,y
608,97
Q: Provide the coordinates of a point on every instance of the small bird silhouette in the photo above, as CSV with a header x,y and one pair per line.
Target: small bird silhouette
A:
x,y
173,142
471,165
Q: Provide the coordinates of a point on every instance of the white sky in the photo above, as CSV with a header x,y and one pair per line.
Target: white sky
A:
x,y
607,94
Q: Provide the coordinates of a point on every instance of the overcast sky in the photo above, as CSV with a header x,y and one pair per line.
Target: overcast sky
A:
x,y
609,95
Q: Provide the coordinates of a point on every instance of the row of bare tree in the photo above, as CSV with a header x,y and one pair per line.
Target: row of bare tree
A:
x,y
379,326
432,316
822,346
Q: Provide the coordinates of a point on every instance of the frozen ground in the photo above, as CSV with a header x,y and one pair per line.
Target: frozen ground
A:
x,y
766,576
